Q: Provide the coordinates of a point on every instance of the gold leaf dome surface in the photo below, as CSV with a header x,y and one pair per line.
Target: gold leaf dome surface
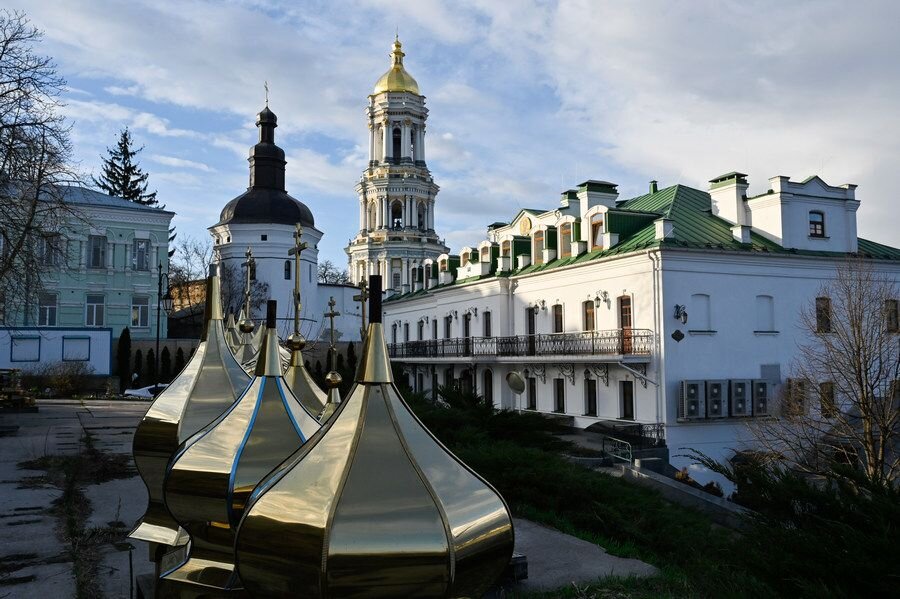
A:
x,y
209,383
212,477
373,506
397,79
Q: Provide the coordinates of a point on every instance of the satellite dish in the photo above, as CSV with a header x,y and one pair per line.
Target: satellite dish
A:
x,y
516,382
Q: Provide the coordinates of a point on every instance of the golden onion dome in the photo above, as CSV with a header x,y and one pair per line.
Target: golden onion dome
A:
x,y
397,79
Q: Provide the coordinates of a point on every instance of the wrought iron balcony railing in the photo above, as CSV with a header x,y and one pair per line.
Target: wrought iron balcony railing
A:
x,y
637,342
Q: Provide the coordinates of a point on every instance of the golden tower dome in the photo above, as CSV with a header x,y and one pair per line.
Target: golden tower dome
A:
x,y
212,477
209,383
397,79
374,505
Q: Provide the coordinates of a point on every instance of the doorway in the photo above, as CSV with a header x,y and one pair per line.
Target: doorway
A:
x,y
627,391
625,323
530,326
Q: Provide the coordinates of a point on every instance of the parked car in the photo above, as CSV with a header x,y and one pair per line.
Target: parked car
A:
x,y
145,392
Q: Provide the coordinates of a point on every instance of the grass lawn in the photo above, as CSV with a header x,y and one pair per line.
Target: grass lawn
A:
x,y
521,457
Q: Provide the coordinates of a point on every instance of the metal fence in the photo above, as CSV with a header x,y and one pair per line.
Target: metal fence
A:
x,y
588,343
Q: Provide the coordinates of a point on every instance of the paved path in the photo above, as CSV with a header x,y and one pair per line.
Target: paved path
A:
x,y
35,562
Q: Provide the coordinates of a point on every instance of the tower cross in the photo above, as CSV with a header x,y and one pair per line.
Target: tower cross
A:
x,y
299,246
330,315
361,297
266,86
249,264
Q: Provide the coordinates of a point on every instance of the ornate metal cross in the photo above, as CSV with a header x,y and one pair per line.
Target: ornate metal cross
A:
x,y
249,264
299,246
330,315
361,297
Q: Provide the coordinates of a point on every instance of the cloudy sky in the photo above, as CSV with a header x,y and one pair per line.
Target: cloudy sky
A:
x,y
526,98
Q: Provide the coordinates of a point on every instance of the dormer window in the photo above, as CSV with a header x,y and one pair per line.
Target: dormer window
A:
x,y
816,224
596,231
565,240
538,253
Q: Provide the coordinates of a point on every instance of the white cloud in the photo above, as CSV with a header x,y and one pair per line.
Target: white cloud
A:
x,y
181,163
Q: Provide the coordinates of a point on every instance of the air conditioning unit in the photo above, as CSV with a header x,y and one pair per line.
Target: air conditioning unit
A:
x,y
693,400
762,397
740,400
716,399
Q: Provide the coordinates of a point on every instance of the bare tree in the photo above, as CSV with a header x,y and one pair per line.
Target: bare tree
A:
x,y
330,274
841,407
233,282
34,163
187,278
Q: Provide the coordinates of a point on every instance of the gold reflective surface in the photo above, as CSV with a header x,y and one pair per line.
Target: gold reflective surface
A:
x,y
305,389
202,391
214,473
373,506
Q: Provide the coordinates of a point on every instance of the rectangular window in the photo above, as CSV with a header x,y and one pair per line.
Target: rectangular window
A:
x,y
47,310
405,332
396,285
816,224
826,400
795,397
434,328
596,231
50,250
565,240
588,315
823,315
487,324
448,320
892,315
140,312
538,253
590,397
532,393
557,318
420,332
94,308
141,258
765,313
559,396
394,334
96,251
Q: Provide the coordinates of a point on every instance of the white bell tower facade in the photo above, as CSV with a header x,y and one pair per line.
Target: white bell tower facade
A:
x,y
396,191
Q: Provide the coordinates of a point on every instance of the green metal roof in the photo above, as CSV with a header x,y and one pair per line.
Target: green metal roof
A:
x,y
695,227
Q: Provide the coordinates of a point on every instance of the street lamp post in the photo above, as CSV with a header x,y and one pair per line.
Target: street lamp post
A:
x,y
165,302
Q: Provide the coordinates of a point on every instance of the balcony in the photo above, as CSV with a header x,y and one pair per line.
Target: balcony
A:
x,y
587,345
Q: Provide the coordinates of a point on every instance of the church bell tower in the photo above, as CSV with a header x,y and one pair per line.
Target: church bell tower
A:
x,y
396,191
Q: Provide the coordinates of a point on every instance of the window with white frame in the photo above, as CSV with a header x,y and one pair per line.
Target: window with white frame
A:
x,y
486,317
49,250
140,312
765,313
47,310
96,251
94,305
140,259
700,312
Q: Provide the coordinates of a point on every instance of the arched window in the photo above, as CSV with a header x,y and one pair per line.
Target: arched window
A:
x,y
505,248
397,281
565,240
700,316
537,256
487,387
287,270
816,224
443,265
486,254
420,215
765,313
823,315
597,231
397,215
397,143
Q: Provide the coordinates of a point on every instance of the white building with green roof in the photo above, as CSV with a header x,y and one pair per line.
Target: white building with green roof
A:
x,y
669,318
104,279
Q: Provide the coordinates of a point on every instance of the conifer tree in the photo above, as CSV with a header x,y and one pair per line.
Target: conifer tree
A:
x,y
122,176
165,364
179,360
138,367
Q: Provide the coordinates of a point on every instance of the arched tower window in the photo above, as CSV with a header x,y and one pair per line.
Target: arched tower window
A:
x,y
421,216
397,215
397,143
287,270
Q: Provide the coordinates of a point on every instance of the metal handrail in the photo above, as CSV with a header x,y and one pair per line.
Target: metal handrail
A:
x,y
621,450
586,343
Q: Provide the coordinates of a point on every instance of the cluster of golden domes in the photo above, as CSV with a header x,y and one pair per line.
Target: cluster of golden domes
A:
x,y
264,486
